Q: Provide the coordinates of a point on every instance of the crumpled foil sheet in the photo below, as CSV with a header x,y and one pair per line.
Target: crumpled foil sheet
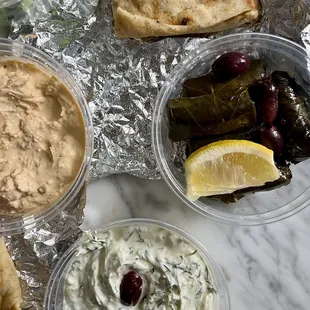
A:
x,y
120,79
36,252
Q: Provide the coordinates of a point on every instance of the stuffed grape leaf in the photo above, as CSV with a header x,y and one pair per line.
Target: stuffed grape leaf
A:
x,y
210,115
285,179
196,143
293,118
210,84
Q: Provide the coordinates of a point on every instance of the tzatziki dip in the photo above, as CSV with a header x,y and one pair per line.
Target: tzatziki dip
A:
x,y
138,267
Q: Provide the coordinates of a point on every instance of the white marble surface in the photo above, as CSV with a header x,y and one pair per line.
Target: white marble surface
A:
x,y
266,267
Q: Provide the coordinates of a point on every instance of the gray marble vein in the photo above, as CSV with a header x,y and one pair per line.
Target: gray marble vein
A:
x,y
266,267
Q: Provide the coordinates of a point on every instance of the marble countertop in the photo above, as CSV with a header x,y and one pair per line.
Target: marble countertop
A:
x,y
266,267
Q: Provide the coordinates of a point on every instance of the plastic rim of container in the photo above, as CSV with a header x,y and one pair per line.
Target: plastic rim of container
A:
x,y
55,285
287,210
24,52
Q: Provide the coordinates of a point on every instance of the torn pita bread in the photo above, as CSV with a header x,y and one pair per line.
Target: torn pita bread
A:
x,y
155,18
10,292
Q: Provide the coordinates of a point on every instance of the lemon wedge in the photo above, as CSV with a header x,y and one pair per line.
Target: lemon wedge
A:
x,y
226,166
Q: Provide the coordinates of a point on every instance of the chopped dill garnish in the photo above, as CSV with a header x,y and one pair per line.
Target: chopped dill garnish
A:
x,y
167,268
199,293
140,239
193,253
160,303
129,235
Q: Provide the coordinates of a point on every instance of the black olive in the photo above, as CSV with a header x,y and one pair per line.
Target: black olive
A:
x,y
269,110
265,95
262,90
272,139
131,288
231,64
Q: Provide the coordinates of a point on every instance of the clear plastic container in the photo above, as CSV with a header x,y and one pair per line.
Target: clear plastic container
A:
x,y
54,294
254,209
14,224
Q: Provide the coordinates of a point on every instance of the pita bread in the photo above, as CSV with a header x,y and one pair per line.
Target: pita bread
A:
x,y
10,292
147,18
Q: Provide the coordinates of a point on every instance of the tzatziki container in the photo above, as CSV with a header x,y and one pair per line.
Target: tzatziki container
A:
x,y
90,273
14,223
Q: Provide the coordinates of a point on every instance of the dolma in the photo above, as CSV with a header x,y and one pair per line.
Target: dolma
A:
x,y
197,142
209,84
285,179
210,115
293,117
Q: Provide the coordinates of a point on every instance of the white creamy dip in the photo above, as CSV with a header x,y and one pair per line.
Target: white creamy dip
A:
x,y
174,274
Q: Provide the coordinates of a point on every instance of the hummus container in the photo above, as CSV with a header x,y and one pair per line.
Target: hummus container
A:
x,y
54,295
254,209
15,223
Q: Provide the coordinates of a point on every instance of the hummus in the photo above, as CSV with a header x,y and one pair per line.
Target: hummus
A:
x,y
42,138
175,276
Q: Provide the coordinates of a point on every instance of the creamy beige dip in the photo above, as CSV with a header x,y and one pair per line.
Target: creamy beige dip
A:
x,y
42,138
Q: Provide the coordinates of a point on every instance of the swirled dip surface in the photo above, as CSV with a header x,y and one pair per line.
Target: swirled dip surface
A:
x,y
42,138
174,274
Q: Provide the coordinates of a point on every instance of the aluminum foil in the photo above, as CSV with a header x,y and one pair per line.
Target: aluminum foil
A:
x,y
36,252
120,79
